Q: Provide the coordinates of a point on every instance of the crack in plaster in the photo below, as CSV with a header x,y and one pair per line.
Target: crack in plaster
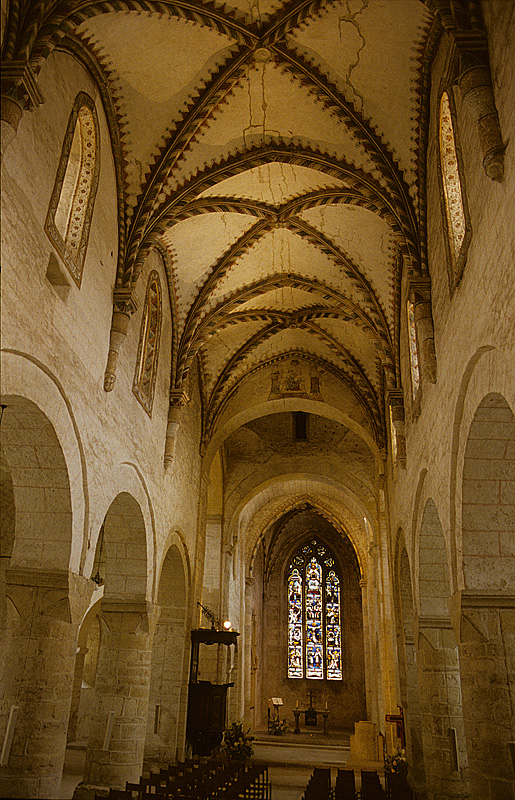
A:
x,y
350,18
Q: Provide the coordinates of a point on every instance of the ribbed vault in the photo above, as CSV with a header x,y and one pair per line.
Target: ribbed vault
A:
x,y
274,152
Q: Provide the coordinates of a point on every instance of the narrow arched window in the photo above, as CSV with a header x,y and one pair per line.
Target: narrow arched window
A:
x,y
314,615
71,205
458,229
148,350
413,349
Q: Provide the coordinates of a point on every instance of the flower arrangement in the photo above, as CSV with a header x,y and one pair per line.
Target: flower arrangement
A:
x,y
236,743
396,763
278,726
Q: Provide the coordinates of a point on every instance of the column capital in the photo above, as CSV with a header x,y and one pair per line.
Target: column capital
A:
x,y
19,85
62,594
420,289
178,398
124,301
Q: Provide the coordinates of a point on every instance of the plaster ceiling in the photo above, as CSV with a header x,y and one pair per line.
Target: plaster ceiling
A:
x,y
274,149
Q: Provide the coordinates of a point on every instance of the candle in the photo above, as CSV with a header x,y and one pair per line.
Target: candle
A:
x,y
297,704
326,705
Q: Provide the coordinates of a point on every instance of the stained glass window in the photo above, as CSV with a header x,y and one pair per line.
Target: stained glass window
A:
x,y
451,178
415,370
314,623
295,637
332,627
456,217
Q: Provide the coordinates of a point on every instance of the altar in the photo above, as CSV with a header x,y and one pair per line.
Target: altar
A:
x,y
310,716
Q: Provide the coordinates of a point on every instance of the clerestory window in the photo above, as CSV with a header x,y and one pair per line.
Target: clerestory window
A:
x,y
148,350
314,614
413,349
456,218
71,205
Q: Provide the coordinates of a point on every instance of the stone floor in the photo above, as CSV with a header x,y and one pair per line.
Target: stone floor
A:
x,y
290,758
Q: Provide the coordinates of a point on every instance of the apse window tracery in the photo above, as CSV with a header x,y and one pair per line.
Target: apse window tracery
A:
x,y
314,615
453,194
148,350
71,205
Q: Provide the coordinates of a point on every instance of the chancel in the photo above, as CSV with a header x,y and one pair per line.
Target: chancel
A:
x,y
257,397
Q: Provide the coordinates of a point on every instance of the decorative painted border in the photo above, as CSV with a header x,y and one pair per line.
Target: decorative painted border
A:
x,y
75,265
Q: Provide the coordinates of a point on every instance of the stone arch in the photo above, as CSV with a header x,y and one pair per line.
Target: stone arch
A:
x,y
168,683
228,423
29,380
40,487
434,582
487,602
44,600
346,696
295,491
125,548
488,516
117,729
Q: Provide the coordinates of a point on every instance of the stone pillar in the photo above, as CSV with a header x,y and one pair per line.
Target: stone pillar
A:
x,y
120,705
441,714
77,685
44,613
487,663
412,717
166,686
124,307
369,639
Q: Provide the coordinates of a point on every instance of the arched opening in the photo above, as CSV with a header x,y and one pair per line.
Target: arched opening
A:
x,y
438,668
39,603
298,656
488,599
168,686
120,703
40,487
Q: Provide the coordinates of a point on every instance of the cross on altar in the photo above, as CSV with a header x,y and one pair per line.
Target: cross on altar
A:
x,y
310,715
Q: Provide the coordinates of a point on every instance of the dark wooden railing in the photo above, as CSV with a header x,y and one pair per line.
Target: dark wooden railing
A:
x,y
192,780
